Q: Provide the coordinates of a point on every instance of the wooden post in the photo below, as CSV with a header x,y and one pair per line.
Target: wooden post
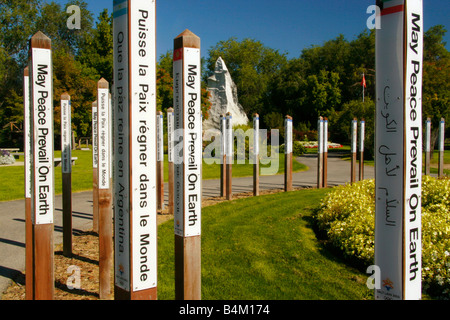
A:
x,y
66,170
256,154
94,167
361,149
427,146
441,148
170,147
135,199
229,151
223,170
29,290
288,153
160,160
43,190
353,150
320,153
104,190
325,152
188,175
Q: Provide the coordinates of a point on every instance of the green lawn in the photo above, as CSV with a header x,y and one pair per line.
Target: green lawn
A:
x,y
12,177
250,252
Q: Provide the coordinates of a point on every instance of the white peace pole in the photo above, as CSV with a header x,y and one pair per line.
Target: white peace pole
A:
x,y
288,153
320,153
229,153
398,145
362,124
187,213
27,174
135,198
353,150
43,186
66,170
427,146
170,150
223,139
104,190
256,154
160,160
441,148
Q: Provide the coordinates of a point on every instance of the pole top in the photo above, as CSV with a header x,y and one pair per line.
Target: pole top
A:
x,y
41,41
94,104
65,96
170,110
103,84
159,113
186,39
26,72
228,114
320,118
255,115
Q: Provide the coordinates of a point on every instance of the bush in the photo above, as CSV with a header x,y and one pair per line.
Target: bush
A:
x,y
297,149
347,216
6,157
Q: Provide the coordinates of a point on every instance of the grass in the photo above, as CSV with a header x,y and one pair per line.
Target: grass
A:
x,y
251,253
12,177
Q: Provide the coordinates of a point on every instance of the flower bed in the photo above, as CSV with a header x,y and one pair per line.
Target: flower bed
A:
x,y
314,144
347,215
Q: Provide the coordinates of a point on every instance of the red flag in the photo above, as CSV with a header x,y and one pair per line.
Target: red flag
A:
x,y
363,82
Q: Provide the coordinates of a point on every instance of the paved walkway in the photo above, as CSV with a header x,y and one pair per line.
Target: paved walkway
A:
x,y
12,221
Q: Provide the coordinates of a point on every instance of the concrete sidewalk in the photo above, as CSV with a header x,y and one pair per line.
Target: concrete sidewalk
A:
x,y
12,213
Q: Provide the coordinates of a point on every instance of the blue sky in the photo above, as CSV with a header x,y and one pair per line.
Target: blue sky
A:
x,y
286,25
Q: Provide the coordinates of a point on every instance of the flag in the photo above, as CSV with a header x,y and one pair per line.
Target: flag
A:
x,y
363,82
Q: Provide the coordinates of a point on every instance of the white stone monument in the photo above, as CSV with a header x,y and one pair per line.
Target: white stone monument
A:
x,y
223,98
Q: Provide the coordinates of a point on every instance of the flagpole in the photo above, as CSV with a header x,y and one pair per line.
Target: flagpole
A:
x,y
363,86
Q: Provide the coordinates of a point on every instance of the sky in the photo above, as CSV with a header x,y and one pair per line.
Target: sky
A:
x,y
288,26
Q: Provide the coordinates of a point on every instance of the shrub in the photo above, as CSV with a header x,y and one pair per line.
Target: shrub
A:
x,y
347,216
297,149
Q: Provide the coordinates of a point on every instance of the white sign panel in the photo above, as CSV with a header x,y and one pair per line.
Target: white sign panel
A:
x,y
325,136
229,141
66,137
121,150
361,136
143,143
288,143
170,131
441,135
354,135
160,137
27,136
43,167
104,165
94,135
320,135
428,136
187,108
256,137
412,250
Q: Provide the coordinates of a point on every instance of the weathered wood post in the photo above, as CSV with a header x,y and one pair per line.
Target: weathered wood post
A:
x,y
325,152
170,148
255,154
229,151
288,153
361,149
398,150
427,146
27,147
160,160
43,189
320,153
353,150
94,167
188,175
66,170
441,148
135,215
223,164
104,190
